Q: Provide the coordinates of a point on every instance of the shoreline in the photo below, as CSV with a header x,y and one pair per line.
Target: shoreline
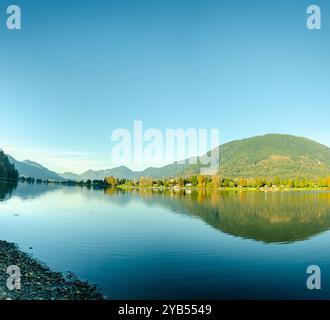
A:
x,y
38,281
255,189
98,185
177,189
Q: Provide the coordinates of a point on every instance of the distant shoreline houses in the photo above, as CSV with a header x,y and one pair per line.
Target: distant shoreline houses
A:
x,y
196,183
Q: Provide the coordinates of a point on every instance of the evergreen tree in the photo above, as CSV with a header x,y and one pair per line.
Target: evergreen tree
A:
x,y
7,170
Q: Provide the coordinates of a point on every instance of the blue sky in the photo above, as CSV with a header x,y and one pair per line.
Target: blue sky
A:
x,y
80,69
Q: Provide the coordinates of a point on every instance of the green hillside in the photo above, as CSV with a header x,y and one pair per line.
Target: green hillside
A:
x,y
265,156
268,156
7,170
274,155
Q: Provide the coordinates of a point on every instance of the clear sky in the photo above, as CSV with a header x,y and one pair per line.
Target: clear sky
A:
x,y
80,69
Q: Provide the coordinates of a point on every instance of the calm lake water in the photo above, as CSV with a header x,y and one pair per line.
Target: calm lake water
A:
x,y
152,245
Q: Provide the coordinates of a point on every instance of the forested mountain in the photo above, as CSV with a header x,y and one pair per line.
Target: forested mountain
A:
x,y
7,169
272,155
268,156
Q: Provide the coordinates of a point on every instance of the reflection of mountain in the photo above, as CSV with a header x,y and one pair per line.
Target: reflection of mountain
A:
x,y
6,190
271,218
34,190
30,191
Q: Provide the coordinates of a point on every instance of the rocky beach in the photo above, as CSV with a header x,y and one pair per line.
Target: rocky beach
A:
x,y
38,282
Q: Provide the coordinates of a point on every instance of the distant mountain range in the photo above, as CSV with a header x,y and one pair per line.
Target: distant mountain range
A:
x,y
119,172
29,168
270,155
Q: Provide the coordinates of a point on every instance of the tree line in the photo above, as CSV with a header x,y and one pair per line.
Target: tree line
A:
x,y
219,182
7,169
202,182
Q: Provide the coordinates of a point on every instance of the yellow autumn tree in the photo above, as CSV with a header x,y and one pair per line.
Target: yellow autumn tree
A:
x,y
216,181
146,182
328,182
201,182
242,182
111,181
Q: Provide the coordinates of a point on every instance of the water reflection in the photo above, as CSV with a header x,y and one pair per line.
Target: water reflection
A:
x,y
6,190
281,217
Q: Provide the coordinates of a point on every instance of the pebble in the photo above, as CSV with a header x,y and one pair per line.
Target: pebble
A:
x,y
39,282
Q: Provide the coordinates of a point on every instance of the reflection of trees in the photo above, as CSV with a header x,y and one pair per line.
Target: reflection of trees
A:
x,y
110,191
6,189
268,217
278,217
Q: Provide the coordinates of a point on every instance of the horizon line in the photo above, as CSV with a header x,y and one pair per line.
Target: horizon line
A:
x,y
161,165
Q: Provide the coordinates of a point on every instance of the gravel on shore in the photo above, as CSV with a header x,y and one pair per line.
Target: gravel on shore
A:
x,y
38,282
